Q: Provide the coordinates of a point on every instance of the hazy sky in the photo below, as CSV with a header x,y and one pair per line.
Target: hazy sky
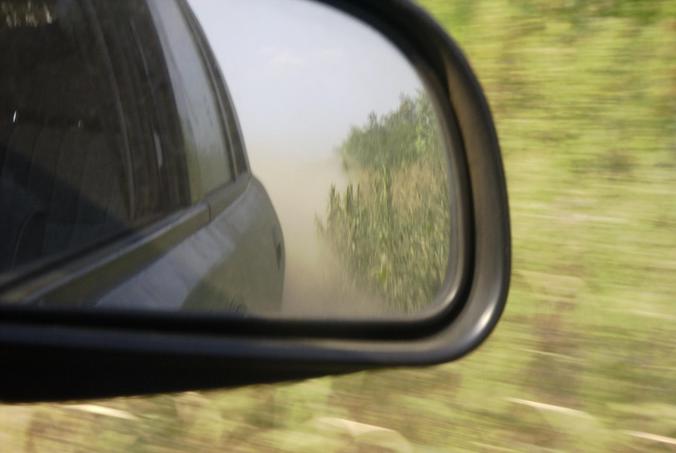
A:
x,y
301,73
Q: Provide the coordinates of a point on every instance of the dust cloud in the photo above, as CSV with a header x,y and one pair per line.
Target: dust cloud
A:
x,y
316,284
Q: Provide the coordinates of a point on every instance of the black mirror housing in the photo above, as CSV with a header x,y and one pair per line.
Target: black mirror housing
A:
x,y
59,355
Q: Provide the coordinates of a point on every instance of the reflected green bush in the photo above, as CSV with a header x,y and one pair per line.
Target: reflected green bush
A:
x,y
391,227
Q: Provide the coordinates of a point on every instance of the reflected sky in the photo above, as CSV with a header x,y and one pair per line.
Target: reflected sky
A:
x,y
301,74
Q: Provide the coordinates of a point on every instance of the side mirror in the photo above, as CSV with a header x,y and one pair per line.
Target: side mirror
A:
x,y
338,205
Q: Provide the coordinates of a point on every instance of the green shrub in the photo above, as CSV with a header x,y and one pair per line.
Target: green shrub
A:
x,y
390,227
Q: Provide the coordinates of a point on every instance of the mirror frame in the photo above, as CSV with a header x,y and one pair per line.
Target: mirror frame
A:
x,y
60,354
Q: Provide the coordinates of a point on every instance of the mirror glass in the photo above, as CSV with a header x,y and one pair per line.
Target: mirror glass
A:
x,y
255,157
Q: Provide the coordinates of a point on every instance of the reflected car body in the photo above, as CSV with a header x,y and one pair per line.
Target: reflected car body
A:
x,y
125,180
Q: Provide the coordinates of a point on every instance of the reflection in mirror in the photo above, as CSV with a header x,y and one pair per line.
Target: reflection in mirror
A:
x,y
315,185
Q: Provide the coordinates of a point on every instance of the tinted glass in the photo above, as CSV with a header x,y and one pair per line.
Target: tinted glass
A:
x,y
196,95
79,163
146,105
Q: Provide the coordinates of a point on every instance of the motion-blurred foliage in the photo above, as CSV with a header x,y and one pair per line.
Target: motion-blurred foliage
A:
x,y
391,227
584,95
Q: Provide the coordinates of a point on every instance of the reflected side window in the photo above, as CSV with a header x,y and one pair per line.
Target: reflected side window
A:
x,y
207,151
148,108
73,173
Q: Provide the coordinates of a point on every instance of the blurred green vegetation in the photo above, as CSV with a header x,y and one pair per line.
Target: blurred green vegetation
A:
x,y
390,227
584,95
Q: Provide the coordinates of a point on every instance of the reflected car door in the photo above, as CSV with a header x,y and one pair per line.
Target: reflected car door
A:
x,y
236,261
